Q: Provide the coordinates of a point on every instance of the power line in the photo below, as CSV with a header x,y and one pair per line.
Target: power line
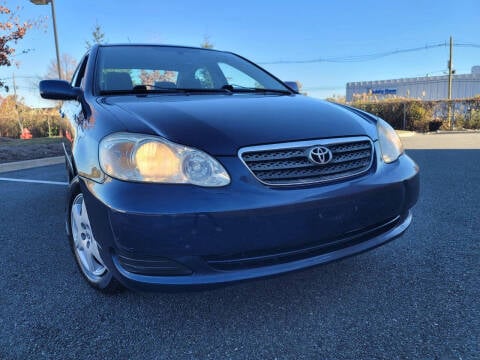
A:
x,y
467,45
368,57
20,77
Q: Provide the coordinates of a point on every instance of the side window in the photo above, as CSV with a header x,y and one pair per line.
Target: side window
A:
x,y
79,73
238,78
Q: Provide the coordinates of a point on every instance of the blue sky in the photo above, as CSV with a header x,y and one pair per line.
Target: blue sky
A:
x,y
267,31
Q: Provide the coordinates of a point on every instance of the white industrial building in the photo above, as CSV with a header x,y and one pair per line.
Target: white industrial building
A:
x,y
425,88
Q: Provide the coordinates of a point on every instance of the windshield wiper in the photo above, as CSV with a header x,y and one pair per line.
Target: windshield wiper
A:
x,y
115,92
143,90
243,89
156,88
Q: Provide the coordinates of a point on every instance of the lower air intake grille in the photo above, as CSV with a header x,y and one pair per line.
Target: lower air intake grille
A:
x,y
152,266
308,162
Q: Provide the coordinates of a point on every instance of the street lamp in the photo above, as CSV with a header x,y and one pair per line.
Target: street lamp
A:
x,y
45,2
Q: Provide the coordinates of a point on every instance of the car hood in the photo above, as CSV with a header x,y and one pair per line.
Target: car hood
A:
x,y
222,124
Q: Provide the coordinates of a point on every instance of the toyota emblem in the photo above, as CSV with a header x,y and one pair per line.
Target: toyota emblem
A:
x,y
320,155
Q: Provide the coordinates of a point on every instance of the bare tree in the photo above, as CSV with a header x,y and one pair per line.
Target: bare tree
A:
x,y
68,65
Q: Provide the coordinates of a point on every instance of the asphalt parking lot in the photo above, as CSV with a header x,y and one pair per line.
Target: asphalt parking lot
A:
x,y
414,298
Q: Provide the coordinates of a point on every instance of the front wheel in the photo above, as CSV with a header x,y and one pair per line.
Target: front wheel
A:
x,y
86,248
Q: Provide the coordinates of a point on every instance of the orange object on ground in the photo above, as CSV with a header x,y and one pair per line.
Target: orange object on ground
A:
x,y
26,134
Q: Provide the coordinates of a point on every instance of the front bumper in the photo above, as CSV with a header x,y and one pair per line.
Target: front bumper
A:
x,y
155,235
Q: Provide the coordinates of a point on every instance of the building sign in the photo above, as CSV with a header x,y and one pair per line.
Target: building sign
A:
x,y
383,91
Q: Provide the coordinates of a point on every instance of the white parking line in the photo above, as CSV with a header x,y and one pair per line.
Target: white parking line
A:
x,y
35,181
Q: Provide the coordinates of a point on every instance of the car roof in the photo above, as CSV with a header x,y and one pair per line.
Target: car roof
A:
x,y
159,45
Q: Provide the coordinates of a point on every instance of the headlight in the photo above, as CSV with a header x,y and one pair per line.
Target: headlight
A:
x,y
390,143
144,158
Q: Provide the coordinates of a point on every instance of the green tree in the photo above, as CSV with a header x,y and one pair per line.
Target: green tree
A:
x,y
98,36
206,43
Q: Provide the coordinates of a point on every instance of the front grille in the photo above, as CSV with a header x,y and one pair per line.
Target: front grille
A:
x,y
289,163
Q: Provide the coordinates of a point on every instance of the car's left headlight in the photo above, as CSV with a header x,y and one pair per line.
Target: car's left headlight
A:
x,y
146,158
390,144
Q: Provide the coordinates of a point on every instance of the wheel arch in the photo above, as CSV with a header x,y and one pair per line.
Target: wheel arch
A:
x,y
72,190
69,164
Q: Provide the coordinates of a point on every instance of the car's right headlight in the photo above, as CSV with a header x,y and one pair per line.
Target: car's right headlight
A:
x,y
146,158
390,144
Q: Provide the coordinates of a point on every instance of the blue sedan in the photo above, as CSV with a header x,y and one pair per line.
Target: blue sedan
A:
x,y
196,167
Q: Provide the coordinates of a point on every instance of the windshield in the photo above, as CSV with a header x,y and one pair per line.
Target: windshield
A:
x,y
126,69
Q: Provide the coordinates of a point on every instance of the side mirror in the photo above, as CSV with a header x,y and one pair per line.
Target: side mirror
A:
x,y
58,90
292,85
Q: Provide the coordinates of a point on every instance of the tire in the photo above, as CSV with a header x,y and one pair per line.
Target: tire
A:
x,y
84,246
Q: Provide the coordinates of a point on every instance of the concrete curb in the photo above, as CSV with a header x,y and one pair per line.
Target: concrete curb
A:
x,y
404,133
27,164
446,132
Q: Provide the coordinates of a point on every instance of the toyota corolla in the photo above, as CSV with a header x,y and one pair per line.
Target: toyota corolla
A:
x,y
193,167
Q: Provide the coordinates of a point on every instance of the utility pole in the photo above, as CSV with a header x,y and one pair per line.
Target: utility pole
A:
x,y
52,6
450,78
59,68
